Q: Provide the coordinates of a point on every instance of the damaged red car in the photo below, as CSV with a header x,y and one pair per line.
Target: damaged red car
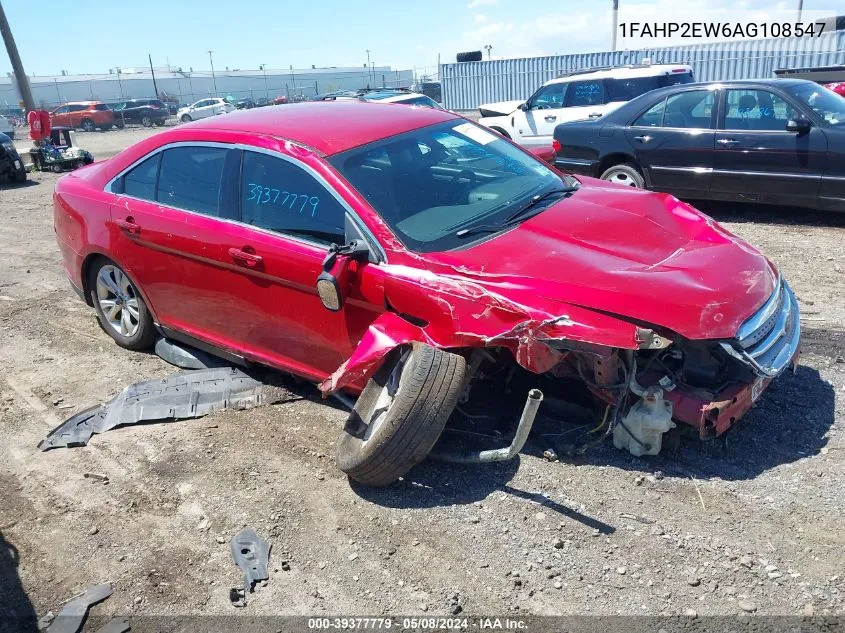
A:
x,y
413,258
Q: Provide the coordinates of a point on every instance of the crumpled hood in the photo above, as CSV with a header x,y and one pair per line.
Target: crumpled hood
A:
x,y
641,255
499,108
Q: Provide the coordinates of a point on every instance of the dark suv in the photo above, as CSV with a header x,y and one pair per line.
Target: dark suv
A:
x,y
147,112
11,165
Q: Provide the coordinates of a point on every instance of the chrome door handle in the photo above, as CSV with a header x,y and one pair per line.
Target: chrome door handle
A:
x,y
645,138
727,141
594,115
551,118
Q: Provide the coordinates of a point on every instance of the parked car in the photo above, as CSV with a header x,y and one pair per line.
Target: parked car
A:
x,y
393,252
578,95
280,100
244,104
838,87
773,141
6,127
204,108
147,112
384,95
87,115
262,101
11,165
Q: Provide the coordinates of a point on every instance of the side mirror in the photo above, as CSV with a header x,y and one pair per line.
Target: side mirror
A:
x,y
800,125
524,107
328,287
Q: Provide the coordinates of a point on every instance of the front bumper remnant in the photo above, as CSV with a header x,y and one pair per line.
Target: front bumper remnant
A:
x,y
523,429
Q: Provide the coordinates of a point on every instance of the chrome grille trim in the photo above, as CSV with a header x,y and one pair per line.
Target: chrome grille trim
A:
x,y
768,340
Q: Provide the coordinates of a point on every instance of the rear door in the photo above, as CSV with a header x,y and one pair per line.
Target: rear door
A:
x,y
60,117
756,158
75,114
585,99
171,213
673,142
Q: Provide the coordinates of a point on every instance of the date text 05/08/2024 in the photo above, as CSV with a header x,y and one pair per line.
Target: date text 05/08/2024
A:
x,y
417,623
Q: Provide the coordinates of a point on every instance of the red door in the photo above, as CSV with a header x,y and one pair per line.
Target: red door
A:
x,y
60,117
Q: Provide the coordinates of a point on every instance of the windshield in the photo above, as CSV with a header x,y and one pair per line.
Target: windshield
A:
x,y
433,185
628,88
826,103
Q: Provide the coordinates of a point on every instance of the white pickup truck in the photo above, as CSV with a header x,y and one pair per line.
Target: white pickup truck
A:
x,y
578,95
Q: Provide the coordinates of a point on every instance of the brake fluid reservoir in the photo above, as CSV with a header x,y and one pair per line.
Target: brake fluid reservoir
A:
x,y
642,429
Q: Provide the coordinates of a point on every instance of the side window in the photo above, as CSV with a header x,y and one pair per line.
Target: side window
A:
x,y
190,177
585,93
549,97
279,196
140,182
77,108
692,109
755,110
62,110
653,117
203,103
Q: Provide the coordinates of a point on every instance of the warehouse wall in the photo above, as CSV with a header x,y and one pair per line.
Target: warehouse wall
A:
x,y
469,84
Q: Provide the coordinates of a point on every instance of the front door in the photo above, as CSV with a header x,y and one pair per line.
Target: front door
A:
x,y
756,158
673,142
289,218
534,126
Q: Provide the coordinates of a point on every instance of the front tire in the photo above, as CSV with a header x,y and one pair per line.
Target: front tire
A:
x,y
147,121
119,306
87,125
499,130
19,176
625,174
400,414
186,118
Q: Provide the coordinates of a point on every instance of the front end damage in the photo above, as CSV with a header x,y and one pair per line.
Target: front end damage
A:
x,y
639,381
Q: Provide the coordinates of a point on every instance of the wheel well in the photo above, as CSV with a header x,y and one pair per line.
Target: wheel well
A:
x,y
501,131
614,159
87,263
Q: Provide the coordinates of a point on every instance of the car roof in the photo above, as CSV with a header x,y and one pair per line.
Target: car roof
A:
x,y
621,72
655,95
329,127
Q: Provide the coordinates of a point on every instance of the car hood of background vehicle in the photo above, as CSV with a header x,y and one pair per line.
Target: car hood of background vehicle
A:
x,y
641,255
499,108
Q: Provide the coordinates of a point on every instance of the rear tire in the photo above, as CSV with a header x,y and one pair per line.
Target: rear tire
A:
x,y
87,125
19,176
129,322
400,414
625,174
147,121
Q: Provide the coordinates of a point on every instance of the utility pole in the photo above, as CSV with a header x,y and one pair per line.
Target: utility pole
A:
x,y
800,9
153,72
369,69
120,85
489,48
293,81
615,24
264,70
17,66
213,77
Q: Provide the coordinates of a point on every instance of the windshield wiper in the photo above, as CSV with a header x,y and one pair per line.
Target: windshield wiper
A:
x,y
535,200
517,215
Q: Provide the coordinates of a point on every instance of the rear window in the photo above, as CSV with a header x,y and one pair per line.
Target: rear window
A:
x,y
627,89
189,178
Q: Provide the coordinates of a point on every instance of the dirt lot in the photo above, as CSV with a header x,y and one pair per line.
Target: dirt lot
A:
x,y
755,528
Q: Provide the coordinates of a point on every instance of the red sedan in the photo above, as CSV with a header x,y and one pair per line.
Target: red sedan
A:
x,y
417,258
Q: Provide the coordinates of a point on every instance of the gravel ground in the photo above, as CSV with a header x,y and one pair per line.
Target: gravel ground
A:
x,y
752,528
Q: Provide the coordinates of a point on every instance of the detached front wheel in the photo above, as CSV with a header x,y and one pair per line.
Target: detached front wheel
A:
x,y
400,414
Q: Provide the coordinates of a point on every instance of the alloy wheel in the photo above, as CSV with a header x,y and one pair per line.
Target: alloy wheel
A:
x,y
118,300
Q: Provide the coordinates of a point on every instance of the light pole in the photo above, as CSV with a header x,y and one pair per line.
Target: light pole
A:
x,y
489,48
264,70
117,69
17,66
213,77
369,69
800,9
615,24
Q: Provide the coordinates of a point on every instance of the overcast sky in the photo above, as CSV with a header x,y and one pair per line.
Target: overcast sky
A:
x,y
91,36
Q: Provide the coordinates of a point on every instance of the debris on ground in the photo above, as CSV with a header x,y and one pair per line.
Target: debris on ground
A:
x,y
97,478
73,614
117,625
185,395
185,356
251,553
